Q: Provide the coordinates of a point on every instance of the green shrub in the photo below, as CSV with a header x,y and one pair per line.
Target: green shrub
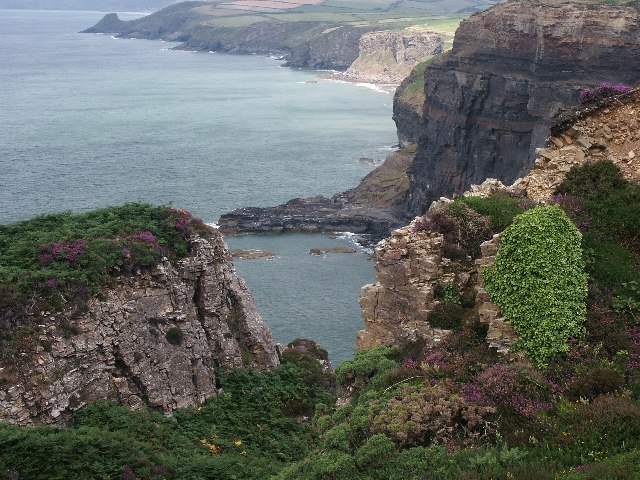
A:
x,y
500,207
539,282
174,336
366,365
593,180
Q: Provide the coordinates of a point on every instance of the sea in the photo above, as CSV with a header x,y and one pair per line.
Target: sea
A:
x,y
88,120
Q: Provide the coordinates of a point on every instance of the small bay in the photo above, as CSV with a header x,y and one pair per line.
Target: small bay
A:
x,y
89,121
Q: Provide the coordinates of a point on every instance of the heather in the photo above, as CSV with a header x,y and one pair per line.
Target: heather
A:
x,y
53,259
602,91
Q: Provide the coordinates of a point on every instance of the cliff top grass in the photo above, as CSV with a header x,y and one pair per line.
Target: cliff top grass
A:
x,y
67,255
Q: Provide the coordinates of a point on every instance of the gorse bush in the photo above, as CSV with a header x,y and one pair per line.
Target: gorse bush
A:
x,y
539,281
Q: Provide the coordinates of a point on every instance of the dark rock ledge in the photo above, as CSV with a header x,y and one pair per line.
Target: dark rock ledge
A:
x,y
375,207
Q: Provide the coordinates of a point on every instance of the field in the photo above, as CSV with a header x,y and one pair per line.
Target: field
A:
x,y
441,16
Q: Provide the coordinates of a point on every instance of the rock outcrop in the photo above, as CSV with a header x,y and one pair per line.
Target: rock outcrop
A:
x,y
374,207
410,267
411,263
491,100
387,57
155,339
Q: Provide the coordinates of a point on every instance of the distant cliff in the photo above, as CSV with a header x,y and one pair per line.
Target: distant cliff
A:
x,y
387,57
491,99
153,337
304,44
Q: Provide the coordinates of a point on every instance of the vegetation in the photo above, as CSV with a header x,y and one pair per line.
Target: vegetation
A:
x,y
454,411
602,91
59,257
539,282
251,431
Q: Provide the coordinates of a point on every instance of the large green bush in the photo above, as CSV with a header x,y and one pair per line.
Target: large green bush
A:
x,y
539,281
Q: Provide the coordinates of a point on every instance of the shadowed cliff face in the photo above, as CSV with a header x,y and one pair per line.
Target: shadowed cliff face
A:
x,y
491,99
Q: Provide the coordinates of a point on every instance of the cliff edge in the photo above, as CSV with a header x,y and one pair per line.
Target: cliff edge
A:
x,y
153,336
491,100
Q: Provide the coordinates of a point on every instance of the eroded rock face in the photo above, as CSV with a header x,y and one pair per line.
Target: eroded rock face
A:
x,y
387,56
409,267
607,132
154,339
490,101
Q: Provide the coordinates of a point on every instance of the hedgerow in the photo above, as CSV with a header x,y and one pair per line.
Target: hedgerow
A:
x,y
539,281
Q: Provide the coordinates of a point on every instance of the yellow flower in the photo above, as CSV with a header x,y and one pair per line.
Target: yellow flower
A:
x,y
238,442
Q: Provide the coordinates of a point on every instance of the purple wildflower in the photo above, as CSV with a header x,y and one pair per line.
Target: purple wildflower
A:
x,y
146,237
604,90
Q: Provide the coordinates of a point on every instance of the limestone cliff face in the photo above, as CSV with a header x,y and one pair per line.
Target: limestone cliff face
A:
x,y
387,57
491,99
152,339
396,308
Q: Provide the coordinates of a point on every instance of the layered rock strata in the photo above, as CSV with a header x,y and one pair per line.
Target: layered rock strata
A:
x,y
387,57
153,339
490,101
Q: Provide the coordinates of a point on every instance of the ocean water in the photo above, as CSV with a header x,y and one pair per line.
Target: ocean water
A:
x,y
89,121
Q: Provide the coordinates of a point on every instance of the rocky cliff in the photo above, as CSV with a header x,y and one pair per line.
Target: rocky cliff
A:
x,y
490,100
387,57
412,265
155,338
304,44
408,102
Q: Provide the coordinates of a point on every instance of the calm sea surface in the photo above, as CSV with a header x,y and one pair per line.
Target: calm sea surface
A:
x,y
88,121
